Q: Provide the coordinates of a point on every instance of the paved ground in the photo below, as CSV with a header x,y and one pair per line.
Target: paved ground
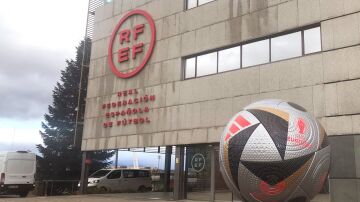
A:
x,y
139,197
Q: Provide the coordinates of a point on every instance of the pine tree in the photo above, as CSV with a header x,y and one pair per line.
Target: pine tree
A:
x,y
61,158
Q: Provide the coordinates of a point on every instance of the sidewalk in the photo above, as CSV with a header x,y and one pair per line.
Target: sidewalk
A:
x,y
122,197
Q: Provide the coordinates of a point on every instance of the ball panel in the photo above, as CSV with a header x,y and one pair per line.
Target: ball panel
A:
x,y
302,136
259,143
276,127
296,106
317,173
236,147
275,172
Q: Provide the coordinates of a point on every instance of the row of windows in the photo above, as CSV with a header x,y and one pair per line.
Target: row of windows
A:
x,y
128,174
195,3
264,51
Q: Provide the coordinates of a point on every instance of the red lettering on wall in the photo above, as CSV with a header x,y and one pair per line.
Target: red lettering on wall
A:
x,y
136,49
123,54
124,35
152,97
132,36
134,108
138,29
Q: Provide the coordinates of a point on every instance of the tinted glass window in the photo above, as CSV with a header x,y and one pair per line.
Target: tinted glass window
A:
x,y
114,174
204,1
255,53
190,68
143,173
286,46
229,59
191,4
99,173
206,64
312,40
129,173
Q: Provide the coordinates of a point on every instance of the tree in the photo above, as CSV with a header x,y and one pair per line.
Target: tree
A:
x,y
61,158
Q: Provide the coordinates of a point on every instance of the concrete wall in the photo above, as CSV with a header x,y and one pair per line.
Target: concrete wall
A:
x,y
195,111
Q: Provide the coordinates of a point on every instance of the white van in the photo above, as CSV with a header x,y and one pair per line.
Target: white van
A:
x,y
121,180
17,170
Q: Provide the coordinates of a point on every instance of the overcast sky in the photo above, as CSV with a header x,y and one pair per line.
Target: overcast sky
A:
x,y
36,37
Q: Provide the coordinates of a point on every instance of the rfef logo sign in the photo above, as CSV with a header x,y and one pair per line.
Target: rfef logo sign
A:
x,y
129,45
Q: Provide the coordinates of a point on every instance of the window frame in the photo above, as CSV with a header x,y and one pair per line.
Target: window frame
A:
x,y
301,45
302,30
303,39
197,4
127,173
114,171
217,64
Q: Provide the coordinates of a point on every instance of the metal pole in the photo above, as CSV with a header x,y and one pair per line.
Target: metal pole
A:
x,y
84,173
51,189
116,158
179,173
167,169
46,188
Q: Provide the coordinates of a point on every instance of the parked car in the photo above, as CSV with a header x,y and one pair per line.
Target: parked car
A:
x,y
121,180
17,170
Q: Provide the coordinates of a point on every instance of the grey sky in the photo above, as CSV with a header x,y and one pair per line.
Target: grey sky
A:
x,y
35,42
36,37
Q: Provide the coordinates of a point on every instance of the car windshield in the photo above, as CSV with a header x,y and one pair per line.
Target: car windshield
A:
x,y
99,173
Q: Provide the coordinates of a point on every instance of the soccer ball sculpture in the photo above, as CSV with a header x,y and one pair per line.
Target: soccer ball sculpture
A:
x,y
274,151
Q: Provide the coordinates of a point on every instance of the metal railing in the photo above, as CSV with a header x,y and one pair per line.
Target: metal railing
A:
x,y
56,187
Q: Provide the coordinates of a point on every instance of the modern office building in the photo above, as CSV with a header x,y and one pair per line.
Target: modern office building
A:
x,y
173,73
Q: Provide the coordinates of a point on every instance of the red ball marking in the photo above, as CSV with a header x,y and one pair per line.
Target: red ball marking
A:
x,y
234,129
242,121
272,190
301,125
227,136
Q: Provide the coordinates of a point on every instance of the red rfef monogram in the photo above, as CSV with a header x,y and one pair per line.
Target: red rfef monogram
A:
x,y
129,52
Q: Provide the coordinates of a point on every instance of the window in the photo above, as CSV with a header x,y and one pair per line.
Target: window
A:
x,y
256,53
190,68
266,50
286,46
229,59
114,174
201,2
129,174
191,4
99,173
143,173
312,40
206,64
195,3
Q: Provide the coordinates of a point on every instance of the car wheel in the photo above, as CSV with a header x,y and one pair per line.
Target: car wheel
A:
x,y
23,194
142,189
103,190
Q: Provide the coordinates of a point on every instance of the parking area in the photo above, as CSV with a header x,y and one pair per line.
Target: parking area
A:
x,y
139,197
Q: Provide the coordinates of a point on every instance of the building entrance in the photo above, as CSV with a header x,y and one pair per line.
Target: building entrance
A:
x,y
198,172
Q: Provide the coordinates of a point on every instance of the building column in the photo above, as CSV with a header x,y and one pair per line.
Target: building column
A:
x,y
179,192
212,173
167,169
84,172
345,168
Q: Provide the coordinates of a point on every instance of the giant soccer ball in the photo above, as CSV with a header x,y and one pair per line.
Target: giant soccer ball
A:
x,y
274,151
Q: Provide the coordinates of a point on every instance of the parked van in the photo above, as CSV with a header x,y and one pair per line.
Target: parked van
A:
x,y
121,180
17,170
